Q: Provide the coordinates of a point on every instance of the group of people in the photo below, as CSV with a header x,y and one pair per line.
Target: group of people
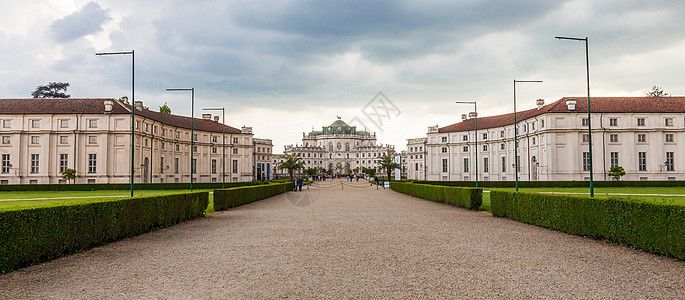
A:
x,y
298,184
350,178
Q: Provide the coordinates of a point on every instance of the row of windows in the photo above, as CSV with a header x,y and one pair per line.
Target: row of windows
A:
x,y
640,122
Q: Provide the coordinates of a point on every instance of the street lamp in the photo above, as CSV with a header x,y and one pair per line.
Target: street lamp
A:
x,y
516,132
133,101
223,147
589,119
475,114
192,127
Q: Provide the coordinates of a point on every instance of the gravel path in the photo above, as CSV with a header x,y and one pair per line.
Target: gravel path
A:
x,y
356,243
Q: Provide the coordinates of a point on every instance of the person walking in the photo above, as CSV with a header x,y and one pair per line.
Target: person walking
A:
x,y
299,183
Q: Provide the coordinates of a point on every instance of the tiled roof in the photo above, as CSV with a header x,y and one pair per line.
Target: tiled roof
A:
x,y
599,105
97,106
57,106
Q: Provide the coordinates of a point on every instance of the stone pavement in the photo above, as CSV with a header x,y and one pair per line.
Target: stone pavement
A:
x,y
353,243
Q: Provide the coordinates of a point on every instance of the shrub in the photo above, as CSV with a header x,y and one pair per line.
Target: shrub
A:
x,y
227,198
653,227
33,235
463,197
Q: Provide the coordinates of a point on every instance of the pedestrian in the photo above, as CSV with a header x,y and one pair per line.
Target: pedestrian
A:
x,y
295,185
299,183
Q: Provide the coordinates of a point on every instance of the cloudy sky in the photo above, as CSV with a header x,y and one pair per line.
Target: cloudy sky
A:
x,y
284,67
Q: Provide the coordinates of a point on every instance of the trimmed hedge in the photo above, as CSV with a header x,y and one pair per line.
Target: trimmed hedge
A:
x,y
121,186
29,236
470,198
653,227
552,184
227,198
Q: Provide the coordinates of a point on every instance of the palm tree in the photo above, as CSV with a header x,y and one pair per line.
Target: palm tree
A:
x,y
291,163
388,164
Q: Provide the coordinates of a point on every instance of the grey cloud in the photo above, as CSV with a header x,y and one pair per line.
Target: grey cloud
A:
x,y
86,21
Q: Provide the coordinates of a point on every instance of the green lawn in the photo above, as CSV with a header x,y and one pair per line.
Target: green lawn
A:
x,y
92,195
605,193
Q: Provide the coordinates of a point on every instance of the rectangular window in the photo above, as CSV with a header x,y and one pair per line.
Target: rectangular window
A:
x,y
466,149
584,122
178,135
486,167
485,147
161,164
213,166
669,137
63,162
64,139
613,122
444,149
485,136
176,165
235,140
5,139
641,122
6,123
466,164
214,139
444,139
504,164
668,121
669,162
6,163
35,140
501,134
94,139
194,148
542,123
194,137
162,145
235,166
465,138
35,123
194,166
642,161
444,164
235,150
533,140
214,150
93,123
641,138
614,159
586,138
35,163
502,146
586,161
613,138
92,163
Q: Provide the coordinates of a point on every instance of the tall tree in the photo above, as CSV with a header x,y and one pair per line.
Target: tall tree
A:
x,y
291,163
51,90
165,109
388,164
657,92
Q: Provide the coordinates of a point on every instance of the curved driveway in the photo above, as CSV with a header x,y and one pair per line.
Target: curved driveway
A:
x,y
352,243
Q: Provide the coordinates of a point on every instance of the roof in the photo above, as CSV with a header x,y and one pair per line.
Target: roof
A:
x,y
97,106
599,105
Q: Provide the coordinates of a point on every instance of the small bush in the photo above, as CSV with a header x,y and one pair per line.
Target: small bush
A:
x,y
463,197
227,198
653,227
29,236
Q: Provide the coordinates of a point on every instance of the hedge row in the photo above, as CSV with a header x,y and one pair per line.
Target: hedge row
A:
x,y
463,197
29,236
227,198
653,227
121,186
552,184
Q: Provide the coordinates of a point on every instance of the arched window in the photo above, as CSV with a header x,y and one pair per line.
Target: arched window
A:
x,y
339,146
330,146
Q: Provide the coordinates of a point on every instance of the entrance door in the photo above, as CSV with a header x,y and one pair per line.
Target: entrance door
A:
x,y
146,164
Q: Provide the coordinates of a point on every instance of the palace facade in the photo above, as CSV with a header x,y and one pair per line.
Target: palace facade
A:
x,y
42,137
644,135
340,148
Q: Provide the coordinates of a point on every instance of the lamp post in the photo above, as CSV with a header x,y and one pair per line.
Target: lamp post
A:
x,y
133,101
223,145
475,113
589,119
516,133
192,127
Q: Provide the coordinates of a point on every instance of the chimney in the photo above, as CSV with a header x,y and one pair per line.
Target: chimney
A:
x,y
138,105
207,116
464,117
540,103
473,114
108,106
571,104
216,119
